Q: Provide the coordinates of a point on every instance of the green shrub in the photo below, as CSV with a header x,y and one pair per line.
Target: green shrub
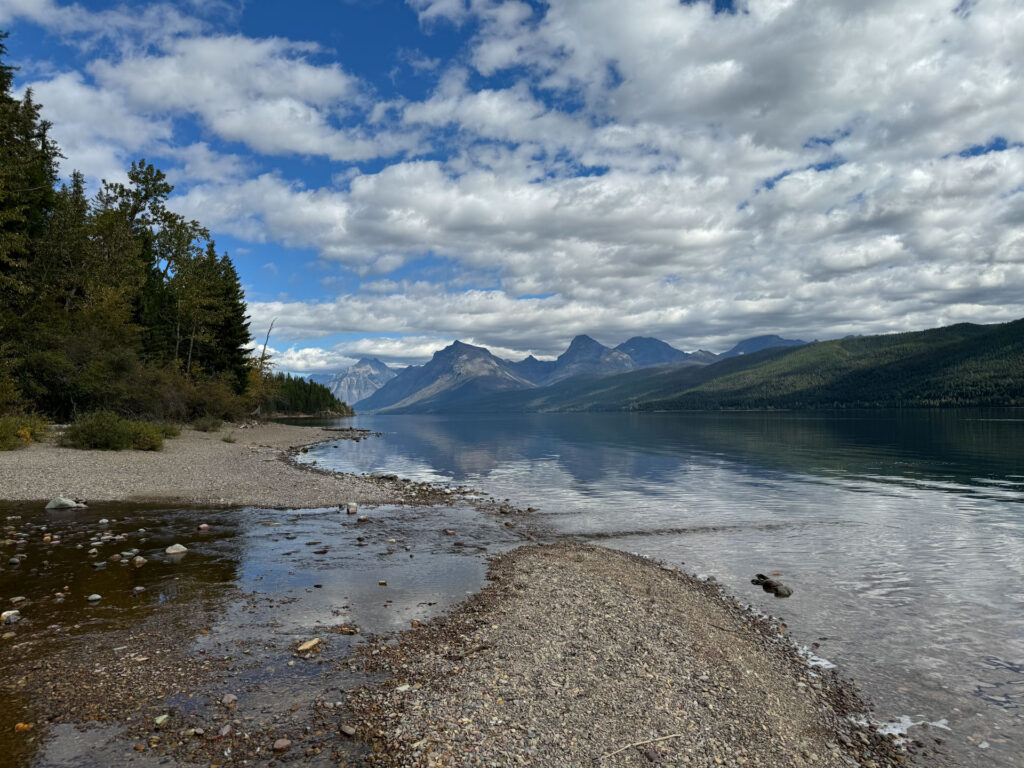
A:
x,y
146,436
167,429
19,430
107,431
207,424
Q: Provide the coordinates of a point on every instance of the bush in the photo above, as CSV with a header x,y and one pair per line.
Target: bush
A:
x,y
230,438
17,431
167,429
207,424
146,436
107,431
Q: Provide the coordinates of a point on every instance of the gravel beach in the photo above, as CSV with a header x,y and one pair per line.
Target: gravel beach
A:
x,y
583,656
197,468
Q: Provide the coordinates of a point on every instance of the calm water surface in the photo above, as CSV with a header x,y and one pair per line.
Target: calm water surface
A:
x,y
901,533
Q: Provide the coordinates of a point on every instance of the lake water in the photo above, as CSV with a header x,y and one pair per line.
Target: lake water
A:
x,y
901,533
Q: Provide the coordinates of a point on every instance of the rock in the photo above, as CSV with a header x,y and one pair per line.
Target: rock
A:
x,y
138,590
348,730
138,561
352,507
114,559
93,552
63,502
282,745
309,645
403,688
176,549
204,526
16,600
104,521
229,700
783,591
382,583
225,730
161,719
10,617
14,561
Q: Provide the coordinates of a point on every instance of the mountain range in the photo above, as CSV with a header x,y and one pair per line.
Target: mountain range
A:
x,y
462,374
964,365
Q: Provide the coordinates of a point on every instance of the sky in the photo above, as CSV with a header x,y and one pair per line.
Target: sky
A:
x,y
390,176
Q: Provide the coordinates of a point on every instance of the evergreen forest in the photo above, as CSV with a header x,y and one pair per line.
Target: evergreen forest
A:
x,y
113,302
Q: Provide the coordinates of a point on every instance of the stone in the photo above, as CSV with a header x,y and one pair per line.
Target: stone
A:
x,y
138,590
114,559
204,527
10,617
16,600
161,719
309,645
14,561
93,552
176,549
348,730
229,700
63,502
225,730
403,688
382,583
352,508
282,745
138,561
93,598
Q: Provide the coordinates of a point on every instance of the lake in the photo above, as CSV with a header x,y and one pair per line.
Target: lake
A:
x,y
901,533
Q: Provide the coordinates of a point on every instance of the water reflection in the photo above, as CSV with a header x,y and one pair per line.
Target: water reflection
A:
x,y
902,533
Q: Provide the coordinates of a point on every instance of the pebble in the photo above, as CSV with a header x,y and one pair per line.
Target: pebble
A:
x,y
10,617
176,549
94,598
138,590
348,730
161,719
138,561
204,527
282,745
309,645
229,700
225,730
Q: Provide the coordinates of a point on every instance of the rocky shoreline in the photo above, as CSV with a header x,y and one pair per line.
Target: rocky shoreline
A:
x,y
583,656
572,655
202,469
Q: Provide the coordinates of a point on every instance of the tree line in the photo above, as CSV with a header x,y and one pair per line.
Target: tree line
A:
x,y
114,302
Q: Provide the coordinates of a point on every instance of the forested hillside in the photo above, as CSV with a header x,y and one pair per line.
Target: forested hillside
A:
x,y
112,301
960,365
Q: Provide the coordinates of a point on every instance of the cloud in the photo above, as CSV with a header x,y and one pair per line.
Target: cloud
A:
x,y
808,168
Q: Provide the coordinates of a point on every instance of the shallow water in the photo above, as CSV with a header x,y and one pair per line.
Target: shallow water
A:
x,y
901,533
265,579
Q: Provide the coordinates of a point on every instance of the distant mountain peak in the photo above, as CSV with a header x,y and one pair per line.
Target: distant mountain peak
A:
x,y
757,343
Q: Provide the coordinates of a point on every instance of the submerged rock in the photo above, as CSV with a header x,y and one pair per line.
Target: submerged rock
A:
x,y
10,617
93,598
176,549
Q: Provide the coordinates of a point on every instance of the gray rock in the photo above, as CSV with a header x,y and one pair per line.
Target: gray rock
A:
x,y
138,561
176,549
94,598
62,502
10,617
282,745
229,700
348,730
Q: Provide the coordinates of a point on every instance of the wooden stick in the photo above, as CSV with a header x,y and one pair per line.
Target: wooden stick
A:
x,y
642,743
